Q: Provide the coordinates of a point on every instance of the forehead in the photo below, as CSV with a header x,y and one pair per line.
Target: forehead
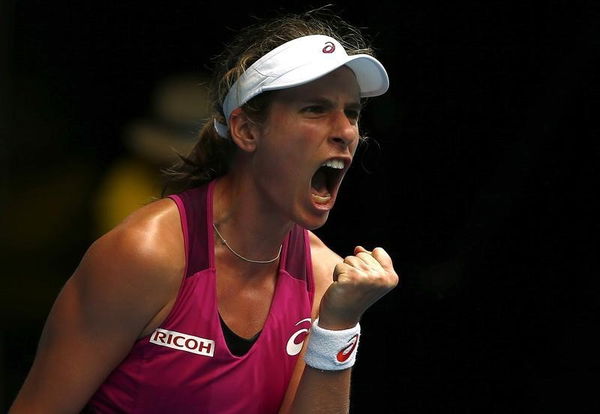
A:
x,y
341,83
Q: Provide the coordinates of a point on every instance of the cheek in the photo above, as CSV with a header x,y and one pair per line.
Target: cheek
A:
x,y
289,140
286,147
276,164
354,145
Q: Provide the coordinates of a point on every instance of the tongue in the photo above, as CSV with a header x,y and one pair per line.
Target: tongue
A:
x,y
319,184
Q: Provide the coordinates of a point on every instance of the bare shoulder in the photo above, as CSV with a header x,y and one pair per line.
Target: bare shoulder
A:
x,y
150,233
150,238
324,261
136,267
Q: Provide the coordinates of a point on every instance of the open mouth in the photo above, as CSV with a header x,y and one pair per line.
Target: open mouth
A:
x,y
326,180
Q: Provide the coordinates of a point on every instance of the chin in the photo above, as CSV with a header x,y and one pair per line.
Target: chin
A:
x,y
313,223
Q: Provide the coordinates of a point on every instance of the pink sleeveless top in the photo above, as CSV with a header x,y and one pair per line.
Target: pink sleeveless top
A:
x,y
185,365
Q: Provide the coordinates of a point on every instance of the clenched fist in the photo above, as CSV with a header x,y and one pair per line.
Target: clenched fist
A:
x,y
358,282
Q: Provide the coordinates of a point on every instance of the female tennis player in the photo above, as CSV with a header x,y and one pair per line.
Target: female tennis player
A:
x,y
219,298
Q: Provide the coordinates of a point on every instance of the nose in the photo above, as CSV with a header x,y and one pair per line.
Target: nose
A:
x,y
344,129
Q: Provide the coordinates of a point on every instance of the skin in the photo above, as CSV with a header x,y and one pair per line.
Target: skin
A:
x,y
143,258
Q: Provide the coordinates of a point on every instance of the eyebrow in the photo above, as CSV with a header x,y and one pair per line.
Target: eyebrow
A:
x,y
354,105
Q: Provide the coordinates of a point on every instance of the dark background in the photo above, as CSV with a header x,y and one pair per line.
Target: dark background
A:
x,y
480,181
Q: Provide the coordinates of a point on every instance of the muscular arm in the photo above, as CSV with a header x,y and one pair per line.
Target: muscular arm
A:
x,y
345,288
122,282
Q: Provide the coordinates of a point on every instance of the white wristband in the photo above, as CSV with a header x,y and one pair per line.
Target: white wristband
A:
x,y
331,350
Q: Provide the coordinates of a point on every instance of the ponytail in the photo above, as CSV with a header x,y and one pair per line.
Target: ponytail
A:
x,y
210,158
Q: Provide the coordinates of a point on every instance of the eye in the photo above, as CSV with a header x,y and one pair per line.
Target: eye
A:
x,y
352,114
314,109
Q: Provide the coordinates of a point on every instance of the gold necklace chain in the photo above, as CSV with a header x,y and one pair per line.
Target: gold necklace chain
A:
x,y
242,257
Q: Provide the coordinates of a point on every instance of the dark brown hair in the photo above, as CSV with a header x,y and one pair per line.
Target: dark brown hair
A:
x,y
211,156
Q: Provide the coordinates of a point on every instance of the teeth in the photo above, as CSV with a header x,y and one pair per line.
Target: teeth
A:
x,y
337,164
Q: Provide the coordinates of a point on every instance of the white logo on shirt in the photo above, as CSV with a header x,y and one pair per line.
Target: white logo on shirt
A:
x,y
183,342
293,348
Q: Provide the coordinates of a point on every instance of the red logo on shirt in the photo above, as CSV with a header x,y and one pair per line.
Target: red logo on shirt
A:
x,y
345,352
329,47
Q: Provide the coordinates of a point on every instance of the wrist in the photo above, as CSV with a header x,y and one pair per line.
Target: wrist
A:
x,y
336,324
332,349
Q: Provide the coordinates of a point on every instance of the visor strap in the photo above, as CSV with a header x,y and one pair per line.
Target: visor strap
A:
x,y
221,129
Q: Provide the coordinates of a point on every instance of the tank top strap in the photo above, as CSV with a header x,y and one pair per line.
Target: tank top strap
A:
x,y
195,217
296,259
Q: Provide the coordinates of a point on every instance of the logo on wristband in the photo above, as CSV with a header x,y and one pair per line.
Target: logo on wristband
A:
x,y
346,352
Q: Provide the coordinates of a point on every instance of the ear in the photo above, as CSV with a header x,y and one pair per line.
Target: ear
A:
x,y
242,130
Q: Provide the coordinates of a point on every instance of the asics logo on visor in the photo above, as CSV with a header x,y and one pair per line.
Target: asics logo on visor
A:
x,y
329,48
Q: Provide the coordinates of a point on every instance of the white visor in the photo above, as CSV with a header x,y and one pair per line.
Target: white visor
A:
x,y
300,61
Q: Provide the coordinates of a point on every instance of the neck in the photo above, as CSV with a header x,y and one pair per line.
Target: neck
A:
x,y
245,221
239,256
